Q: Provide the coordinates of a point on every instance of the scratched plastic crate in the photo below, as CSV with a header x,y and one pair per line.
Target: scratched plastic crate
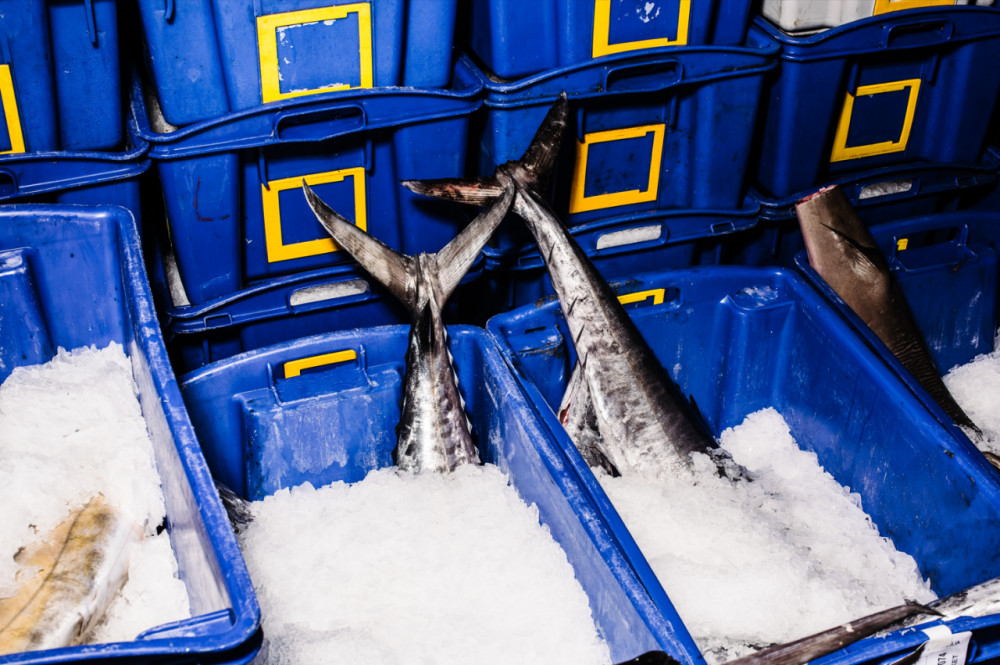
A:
x,y
211,58
60,83
517,38
798,16
908,88
650,133
740,339
232,187
353,378
679,240
946,267
72,276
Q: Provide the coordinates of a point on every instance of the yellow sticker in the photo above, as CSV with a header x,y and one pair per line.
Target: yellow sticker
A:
x,y
277,250
294,368
602,29
639,296
840,150
10,113
579,202
902,243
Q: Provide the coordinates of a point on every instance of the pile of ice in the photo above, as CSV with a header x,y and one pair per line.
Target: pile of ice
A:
x,y
749,564
404,568
69,429
976,387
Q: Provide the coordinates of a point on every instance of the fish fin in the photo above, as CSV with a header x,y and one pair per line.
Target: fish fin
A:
x,y
651,658
873,257
457,256
993,459
386,265
474,191
579,418
540,157
237,508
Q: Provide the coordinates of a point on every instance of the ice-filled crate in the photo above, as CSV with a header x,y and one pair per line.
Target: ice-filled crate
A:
x,y
798,16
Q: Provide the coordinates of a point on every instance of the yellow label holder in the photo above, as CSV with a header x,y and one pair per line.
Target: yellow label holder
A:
x,y
294,368
886,6
602,27
842,152
277,250
656,294
579,202
902,244
11,116
267,47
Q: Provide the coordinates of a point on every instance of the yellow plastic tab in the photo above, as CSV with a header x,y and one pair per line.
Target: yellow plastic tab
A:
x,y
579,202
602,29
267,46
639,296
294,368
277,250
842,152
886,6
10,113
902,243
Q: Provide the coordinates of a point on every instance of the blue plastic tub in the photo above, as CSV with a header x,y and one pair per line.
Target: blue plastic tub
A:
x,y
914,87
946,266
738,340
517,38
60,83
212,57
661,131
234,405
232,187
73,276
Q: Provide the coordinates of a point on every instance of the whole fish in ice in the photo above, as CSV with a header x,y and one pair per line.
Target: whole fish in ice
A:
x,y
79,568
434,432
642,419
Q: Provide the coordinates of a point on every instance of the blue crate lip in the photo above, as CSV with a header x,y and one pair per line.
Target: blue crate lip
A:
x,y
227,636
275,122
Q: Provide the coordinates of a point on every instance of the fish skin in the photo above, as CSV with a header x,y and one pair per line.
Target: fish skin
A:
x,y
844,254
433,432
82,564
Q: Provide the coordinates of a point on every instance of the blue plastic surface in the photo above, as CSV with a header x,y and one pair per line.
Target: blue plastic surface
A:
x,y
738,340
947,272
74,276
233,187
902,88
60,83
210,58
661,131
517,38
233,402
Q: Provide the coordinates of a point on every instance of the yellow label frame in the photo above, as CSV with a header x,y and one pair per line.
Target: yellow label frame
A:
x,y
886,6
579,202
294,368
277,250
267,47
602,28
11,115
842,152
656,294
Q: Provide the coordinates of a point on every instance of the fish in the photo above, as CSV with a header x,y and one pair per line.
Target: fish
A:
x,y
642,419
79,567
842,251
434,433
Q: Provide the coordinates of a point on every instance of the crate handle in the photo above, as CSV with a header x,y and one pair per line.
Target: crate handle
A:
x,y
647,76
959,237
319,124
8,183
917,33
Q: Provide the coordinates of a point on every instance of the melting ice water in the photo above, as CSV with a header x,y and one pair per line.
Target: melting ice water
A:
x,y
749,564
976,388
403,568
71,428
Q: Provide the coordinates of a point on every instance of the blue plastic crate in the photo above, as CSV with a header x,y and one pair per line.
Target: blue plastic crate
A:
x,y
740,339
905,88
233,404
946,267
210,58
656,132
73,276
517,38
60,83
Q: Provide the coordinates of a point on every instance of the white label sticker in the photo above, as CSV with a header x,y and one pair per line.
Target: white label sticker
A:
x,y
944,647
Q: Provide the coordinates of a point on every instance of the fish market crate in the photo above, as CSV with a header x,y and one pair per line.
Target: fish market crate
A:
x,y
656,132
740,339
234,405
915,87
60,83
798,16
946,267
232,187
73,276
518,38
678,239
210,59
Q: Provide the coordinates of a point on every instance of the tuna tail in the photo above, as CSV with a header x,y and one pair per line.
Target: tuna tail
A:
x,y
394,270
532,171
